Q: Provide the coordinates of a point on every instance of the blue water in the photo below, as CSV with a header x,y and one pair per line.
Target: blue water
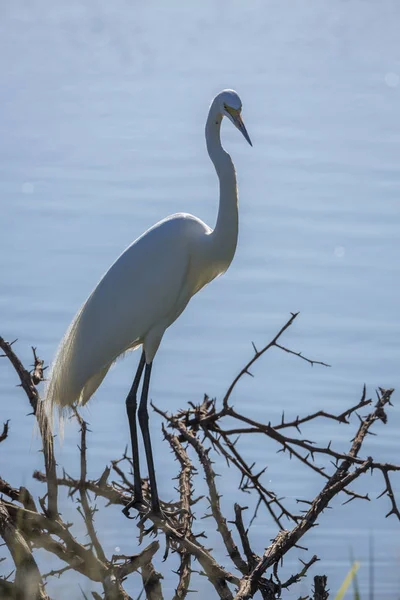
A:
x,y
102,110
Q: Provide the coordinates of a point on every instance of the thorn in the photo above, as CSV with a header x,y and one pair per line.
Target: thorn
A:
x,y
235,441
364,393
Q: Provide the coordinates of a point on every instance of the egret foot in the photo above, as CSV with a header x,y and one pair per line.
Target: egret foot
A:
x,y
160,518
138,504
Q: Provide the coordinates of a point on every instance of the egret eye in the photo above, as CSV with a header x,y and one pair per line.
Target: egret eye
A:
x,y
232,111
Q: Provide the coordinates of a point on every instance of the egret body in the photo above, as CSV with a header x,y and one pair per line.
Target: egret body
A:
x,y
145,291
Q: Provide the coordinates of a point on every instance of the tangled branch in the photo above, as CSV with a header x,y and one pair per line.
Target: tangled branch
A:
x,y
198,436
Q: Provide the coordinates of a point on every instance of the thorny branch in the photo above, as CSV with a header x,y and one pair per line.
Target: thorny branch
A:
x,y
29,387
320,591
185,494
200,433
4,434
88,511
259,353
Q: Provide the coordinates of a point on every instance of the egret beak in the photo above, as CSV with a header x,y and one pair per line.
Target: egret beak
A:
x,y
238,122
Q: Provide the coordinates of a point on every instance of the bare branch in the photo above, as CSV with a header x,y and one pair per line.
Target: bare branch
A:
x,y
135,562
4,434
252,558
295,578
87,510
258,354
28,582
102,489
341,418
151,581
185,492
251,480
35,525
38,368
389,492
222,527
23,522
300,355
286,540
256,357
320,591
48,446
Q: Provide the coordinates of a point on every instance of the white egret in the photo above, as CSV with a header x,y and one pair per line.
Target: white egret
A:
x,y
144,292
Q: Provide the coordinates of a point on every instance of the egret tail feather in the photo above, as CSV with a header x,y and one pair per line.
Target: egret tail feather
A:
x,y
92,385
62,390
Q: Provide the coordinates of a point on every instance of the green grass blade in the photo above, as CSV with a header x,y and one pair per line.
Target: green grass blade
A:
x,y
356,589
347,582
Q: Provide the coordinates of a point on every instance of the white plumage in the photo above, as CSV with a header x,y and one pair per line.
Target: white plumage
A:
x,y
150,284
141,295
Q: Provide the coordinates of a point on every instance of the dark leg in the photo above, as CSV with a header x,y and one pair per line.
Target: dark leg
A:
x,y
131,407
144,426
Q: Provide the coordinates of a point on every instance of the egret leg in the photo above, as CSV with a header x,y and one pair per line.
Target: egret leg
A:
x,y
144,426
131,408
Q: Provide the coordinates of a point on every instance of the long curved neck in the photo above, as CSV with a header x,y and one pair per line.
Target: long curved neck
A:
x,y
225,232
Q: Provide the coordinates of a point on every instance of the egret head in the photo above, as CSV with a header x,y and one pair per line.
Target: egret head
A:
x,y
230,106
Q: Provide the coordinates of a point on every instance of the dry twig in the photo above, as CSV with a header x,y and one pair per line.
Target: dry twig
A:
x,y
205,432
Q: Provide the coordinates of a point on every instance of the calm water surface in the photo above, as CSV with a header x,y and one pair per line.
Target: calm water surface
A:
x,y
102,112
